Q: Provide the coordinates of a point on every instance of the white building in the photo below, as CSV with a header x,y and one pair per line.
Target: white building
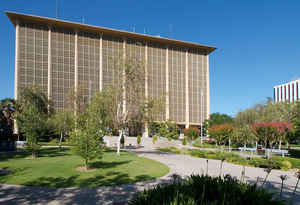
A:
x,y
288,92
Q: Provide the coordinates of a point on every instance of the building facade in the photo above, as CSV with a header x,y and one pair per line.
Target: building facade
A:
x,y
60,55
288,92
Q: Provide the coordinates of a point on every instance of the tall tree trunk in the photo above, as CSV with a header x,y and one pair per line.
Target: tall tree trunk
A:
x,y
60,140
279,144
119,141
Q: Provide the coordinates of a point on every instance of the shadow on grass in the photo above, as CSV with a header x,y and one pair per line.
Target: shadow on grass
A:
x,y
43,152
104,165
53,152
111,179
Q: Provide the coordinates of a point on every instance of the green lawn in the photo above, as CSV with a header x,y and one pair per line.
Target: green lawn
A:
x,y
56,168
277,162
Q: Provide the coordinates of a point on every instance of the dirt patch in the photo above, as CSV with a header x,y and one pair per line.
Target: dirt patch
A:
x,y
84,169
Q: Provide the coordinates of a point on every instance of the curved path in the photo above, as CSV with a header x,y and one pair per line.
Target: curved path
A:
x,y
182,165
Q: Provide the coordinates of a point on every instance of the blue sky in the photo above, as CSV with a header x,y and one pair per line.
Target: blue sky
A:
x,y
258,41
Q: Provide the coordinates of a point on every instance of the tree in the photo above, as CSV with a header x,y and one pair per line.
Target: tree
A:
x,y
243,134
92,126
221,132
128,105
218,118
169,130
7,109
192,133
272,132
63,122
33,112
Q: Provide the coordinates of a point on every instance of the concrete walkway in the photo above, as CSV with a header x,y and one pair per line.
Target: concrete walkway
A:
x,y
182,165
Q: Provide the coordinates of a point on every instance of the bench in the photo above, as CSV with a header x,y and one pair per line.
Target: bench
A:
x,y
278,151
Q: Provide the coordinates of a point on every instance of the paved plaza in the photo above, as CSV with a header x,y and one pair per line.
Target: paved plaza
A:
x,y
182,165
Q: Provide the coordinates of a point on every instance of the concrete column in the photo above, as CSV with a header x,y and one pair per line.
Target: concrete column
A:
x,y
279,93
187,112
76,61
292,92
16,60
16,130
275,94
207,89
283,93
167,85
100,65
124,77
49,64
298,88
146,133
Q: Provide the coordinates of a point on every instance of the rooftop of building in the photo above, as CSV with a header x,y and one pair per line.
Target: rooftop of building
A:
x,y
282,84
14,17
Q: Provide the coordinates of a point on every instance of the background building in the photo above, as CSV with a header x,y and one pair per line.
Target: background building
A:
x,y
288,92
60,55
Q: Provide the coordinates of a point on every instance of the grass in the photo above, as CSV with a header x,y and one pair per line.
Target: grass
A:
x,y
54,143
56,168
277,162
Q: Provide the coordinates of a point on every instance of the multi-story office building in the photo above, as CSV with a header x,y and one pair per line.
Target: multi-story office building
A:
x,y
60,55
288,92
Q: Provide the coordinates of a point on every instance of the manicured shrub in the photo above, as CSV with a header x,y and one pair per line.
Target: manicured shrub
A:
x,y
286,165
154,139
138,139
184,141
206,190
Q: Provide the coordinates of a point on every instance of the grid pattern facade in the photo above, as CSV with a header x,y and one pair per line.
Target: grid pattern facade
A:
x,y
88,64
135,54
33,56
156,68
62,66
288,92
177,94
113,51
196,85
98,57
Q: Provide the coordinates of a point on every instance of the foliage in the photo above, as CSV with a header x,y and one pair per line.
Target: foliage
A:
x,y
33,113
63,122
169,130
129,73
273,112
7,109
154,139
205,190
271,132
243,135
184,141
221,132
56,168
138,139
192,133
91,127
218,118
275,162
